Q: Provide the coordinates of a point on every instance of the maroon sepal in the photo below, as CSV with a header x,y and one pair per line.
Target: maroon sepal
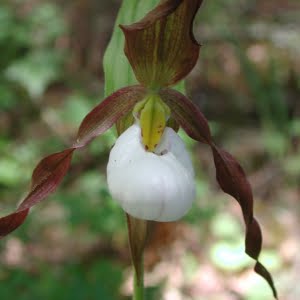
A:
x,y
161,47
51,170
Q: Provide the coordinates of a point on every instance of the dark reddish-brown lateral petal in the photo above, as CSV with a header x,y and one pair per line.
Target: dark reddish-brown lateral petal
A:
x,y
161,47
11,222
46,177
51,170
110,110
187,115
230,175
233,181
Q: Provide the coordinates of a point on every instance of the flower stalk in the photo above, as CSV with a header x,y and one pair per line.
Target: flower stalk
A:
x,y
137,233
138,284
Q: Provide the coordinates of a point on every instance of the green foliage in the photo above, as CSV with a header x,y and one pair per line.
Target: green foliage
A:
x,y
75,108
270,100
15,163
71,282
27,54
35,71
92,205
292,166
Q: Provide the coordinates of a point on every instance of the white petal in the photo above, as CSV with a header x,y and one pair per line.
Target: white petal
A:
x,y
151,186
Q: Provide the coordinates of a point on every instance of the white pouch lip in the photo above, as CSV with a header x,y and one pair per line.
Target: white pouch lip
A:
x,y
156,186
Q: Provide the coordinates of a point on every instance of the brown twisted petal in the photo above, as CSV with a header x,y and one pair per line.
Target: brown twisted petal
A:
x,y
10,222
48,174
161,47
51,170
230,175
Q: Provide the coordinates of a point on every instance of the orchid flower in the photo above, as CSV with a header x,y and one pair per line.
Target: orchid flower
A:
x,y
149,171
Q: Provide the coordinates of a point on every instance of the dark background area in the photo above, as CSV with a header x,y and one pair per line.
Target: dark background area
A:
x,y
74,245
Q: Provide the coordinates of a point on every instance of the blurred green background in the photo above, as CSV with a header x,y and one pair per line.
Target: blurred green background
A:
x,y
74,245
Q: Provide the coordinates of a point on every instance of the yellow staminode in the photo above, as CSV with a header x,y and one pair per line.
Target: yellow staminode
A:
x,y
153,114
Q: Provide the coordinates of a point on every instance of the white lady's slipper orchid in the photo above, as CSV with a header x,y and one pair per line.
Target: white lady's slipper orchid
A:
x,y
149,171
155,185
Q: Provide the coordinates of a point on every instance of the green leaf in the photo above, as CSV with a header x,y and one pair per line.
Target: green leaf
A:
x,y
117,70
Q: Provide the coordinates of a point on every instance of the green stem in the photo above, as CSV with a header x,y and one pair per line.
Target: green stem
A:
x,y
138,285
137,233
